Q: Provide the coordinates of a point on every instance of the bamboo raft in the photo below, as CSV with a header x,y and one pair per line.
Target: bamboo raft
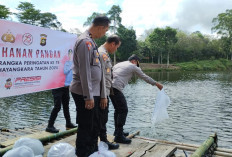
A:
x,y
140,146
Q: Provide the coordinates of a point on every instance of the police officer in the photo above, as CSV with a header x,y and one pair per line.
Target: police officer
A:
x,y
85,87
122,73
61,96
110,46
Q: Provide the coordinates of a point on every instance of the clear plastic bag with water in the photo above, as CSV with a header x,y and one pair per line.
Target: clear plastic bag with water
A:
x,y
103,151
61,150
160,112
21,151
35,144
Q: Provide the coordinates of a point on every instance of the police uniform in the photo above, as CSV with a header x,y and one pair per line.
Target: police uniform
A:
x,y
122,73
105,92
87,75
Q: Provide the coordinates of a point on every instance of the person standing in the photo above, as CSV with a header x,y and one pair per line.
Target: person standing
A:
x,y
61,96
122,73
86,86
110,46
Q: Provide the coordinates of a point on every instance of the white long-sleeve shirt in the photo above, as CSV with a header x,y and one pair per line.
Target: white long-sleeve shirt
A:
x,y
123,72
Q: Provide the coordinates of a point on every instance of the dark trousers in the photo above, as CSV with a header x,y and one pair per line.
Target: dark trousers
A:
x,y
121,110
60,96
104,119
88,126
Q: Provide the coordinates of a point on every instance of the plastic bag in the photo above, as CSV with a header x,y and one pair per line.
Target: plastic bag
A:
x,y
103,151
22,151
61,150
160,112
34,144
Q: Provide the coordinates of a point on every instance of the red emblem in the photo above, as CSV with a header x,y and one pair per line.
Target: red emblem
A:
x,y
89,45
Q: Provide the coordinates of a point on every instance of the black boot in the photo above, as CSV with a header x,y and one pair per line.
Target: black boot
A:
x,y
112,145
120,138
70,125
50,128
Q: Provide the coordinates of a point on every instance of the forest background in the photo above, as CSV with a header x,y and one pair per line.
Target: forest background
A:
x,y
164,48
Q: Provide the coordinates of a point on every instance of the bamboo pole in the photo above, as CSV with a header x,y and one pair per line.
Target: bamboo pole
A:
x,y
186,146
224,150
223,154
133,135
57,135
205,146
169,142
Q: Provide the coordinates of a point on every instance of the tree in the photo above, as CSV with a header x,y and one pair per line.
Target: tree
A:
x,y
28,14
101,40
143,50
114,15
4,12
223,26
162,40
129,43
170,39
49,20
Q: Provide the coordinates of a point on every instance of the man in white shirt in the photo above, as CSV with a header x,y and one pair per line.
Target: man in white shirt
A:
x,y
122,73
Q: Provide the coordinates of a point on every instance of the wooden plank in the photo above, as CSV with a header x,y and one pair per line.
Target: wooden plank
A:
x,y
143,148
161,150
35,135
128,149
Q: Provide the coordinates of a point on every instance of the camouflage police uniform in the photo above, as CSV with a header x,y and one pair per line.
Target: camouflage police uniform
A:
x,y
87,75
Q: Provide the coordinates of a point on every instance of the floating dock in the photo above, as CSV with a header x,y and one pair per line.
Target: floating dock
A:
x,y
140,146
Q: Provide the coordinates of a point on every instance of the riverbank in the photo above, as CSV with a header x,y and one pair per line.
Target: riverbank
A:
x,y
204,65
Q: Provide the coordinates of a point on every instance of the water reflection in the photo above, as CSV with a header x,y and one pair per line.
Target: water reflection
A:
x,y
200,105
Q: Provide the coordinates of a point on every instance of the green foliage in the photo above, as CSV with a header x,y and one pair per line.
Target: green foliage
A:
x,y
4,12
101,40
114,16
223,24
143,49
162,41
206,65
128,42
49,20
28,14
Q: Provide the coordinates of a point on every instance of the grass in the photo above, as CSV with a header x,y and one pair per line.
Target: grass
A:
x,y
206,65
203,65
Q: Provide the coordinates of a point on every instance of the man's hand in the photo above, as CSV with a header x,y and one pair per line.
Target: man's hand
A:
x,y
89,104
103,103
160,86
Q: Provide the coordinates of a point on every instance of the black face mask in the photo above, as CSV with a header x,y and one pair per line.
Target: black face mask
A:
x,y
137,63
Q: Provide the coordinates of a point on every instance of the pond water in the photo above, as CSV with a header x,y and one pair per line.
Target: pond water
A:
x,y
201,104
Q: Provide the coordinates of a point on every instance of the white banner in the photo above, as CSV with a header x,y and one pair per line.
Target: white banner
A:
x,y
33,58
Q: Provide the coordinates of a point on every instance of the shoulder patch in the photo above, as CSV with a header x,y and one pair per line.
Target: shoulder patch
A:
x,y
88,44
105,57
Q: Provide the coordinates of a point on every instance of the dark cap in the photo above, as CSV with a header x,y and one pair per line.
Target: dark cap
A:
x,y
134,57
